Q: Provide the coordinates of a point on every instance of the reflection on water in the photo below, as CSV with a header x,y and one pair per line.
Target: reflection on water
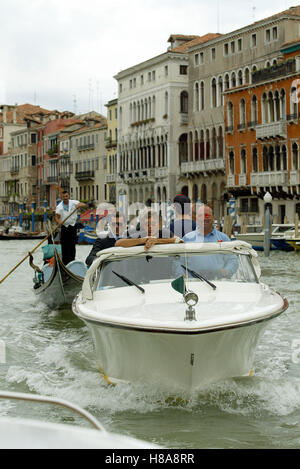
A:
x,y
51,353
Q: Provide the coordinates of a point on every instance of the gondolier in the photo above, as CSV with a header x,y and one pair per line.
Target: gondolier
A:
x,y
68,229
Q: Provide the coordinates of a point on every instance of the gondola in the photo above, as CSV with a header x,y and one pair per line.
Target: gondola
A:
x,y
56,284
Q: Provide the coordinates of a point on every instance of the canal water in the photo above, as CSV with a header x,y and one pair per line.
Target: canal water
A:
x,y
51,353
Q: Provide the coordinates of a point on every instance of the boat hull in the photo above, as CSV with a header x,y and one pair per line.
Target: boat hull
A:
x,y
179,361
60,288
255,239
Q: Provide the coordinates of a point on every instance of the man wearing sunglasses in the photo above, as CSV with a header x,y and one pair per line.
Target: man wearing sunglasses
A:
x,y
117,230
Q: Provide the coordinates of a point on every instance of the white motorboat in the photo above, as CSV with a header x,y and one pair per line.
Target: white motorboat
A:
x,y
255,236
180,316
21,433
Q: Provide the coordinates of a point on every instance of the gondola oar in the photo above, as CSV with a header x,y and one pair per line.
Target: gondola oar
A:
x,y
37,246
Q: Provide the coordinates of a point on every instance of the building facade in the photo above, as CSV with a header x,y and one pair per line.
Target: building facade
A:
x,y
88,160
225,62
263,138
111,145
152,113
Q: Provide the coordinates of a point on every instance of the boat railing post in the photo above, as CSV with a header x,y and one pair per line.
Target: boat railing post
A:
x,y
267,227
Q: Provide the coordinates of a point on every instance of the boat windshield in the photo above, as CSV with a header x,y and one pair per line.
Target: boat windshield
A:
x,y
147,269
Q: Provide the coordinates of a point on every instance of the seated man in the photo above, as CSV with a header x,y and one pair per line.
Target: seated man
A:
x,y
183,222
117,230
216,266
149,234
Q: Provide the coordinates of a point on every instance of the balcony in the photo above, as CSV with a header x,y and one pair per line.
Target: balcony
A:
x,y
252,125
138,176
161,173
184,118
14,170
53,151
241,127
231,180
229,129
294,178
271,130
85,175
291,118
88,146
243,179
109,143
267,179
203,166
267,74
143,122
65,154
52,179
110,178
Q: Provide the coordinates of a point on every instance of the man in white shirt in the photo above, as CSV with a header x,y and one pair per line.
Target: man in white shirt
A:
x,y
68,228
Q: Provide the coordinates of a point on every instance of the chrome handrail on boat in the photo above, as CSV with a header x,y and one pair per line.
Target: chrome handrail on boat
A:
x,y
49,400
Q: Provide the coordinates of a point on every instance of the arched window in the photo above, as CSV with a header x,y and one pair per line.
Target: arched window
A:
x,y
271,159
277,158
204,194
284,158
220,143
231,163
220,91
271,106
247,75
202,95
230,114
166,103
294,102
196,96
202,145
295,153
283,104
183,148
184,102
242,112
207,144
196,146
213,93
195,193
240,78
243,162
227,81
277,106
214,143
254,110
233,80
254,160
265,159
264,108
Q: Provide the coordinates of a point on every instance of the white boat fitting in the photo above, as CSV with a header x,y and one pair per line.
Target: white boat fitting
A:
x,y
19,433
180,316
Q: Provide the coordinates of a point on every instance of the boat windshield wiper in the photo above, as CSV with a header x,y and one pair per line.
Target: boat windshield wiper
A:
x,y
128,281
195,274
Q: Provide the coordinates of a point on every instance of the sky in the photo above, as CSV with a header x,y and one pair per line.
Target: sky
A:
x,y
63,54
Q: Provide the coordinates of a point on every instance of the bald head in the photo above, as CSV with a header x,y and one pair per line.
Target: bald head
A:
x,y
205,219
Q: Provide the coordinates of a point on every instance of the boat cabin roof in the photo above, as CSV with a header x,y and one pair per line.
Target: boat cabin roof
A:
x,y
117,253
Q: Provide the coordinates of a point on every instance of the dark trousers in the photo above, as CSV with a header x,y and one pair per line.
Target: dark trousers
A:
x,y
68,243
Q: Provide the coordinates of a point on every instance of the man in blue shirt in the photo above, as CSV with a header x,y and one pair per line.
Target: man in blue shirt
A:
x,y
215,266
